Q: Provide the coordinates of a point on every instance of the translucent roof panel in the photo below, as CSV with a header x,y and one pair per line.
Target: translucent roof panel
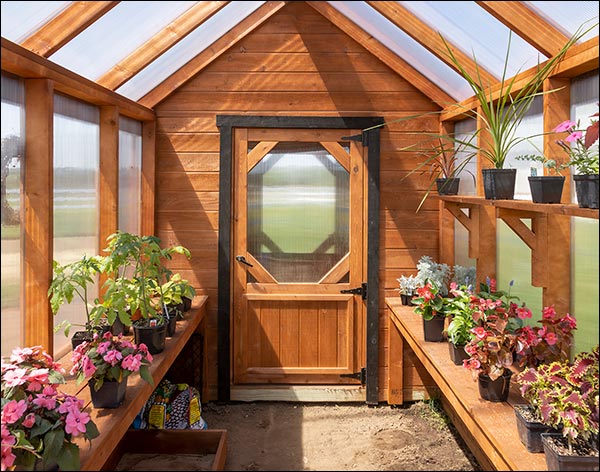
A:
x,y
21,19
567,17
187,49
115,35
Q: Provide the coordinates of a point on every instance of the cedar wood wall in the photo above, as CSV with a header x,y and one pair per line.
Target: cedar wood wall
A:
x,y
297,63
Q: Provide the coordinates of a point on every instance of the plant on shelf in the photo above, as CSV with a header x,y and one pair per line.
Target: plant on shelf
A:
x,y
464,276
583,156
408,287
71,281
564,395
40,423
460,310
545,188
110,358
431,305
434,272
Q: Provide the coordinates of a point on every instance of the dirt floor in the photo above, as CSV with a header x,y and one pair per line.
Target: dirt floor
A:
x,y
295,436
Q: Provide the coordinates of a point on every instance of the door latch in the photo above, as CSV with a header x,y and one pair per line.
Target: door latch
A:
x,y
361,375
362,290
243,260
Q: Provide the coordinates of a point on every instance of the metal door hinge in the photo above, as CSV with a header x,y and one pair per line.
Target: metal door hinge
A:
x,y
362,375
362,290
362,138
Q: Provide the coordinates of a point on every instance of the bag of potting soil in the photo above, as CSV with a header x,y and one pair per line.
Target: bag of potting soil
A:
x,y
171,406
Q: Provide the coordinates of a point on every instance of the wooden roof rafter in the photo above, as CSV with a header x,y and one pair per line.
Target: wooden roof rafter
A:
x,y
528,25
160,43
65,26
384,54
211,52
429,38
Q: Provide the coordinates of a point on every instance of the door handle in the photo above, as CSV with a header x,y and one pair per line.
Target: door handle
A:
x,y
243,260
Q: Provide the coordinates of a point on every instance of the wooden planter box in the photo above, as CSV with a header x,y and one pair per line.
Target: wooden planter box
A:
x,y
172,442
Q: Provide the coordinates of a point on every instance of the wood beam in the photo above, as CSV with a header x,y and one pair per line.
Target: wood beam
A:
x,y
580,58
108,178
384,54
159,44
430,39
211,53
37,242
538,32
65,26
23,63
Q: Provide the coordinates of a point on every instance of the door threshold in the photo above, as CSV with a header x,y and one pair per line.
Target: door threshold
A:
x,y
299,393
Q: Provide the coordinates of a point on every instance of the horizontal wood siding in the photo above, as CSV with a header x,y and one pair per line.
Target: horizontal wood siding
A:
x,y
297,64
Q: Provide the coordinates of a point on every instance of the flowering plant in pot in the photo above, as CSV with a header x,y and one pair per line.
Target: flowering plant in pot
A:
x,y
110,358
431,305
583,155
460,310
564,395
434,272
492,349
39,423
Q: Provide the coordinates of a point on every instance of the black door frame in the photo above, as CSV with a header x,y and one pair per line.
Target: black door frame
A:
x,y
370,139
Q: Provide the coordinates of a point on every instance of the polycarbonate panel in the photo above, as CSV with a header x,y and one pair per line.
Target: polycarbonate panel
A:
x,y
13,145
569,16
469,27
513,258
298,212
186,49
76,206
115,35
405,47
465,141
584,282
130,174
21,19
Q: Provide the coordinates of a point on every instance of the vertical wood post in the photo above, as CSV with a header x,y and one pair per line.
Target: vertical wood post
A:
x,y
486,237
108,186
148,177
37,241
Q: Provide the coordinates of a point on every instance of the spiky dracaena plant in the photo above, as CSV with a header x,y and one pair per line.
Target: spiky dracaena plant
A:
x,y
565,395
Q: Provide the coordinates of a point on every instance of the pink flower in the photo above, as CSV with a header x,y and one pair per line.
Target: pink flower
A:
x,y
45,401
479,332
523,313
574,136
551,338
572,323
15,377
112,357
548,313
8,458
88,366
132,363
29,420
70,403
13,411
565,126
76,421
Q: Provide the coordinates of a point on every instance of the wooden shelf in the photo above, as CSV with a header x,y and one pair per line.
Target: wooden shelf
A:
x,y
568,209
489,428
113,423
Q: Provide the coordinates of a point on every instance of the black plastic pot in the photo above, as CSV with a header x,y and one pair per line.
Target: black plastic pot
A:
x,y
555,460
448,186
152,336
405,299
499,184
110,395
586,187
530,432
457,353
495,390
546,188
433,329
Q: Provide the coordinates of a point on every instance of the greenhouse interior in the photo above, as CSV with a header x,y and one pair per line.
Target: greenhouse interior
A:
x,y
298,202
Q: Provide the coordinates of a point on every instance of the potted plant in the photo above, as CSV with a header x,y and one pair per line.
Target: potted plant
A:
x,y
443,161
565,396
464,276
40,423
501,114
72,281
408,286
459,333
430,304
435,272
545,188
583,155
107,361
492,349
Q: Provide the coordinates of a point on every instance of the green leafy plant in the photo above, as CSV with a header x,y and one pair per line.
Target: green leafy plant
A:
x,y
408,285
429,301
459,308
502,107
553,167
434,272
74,280
564,395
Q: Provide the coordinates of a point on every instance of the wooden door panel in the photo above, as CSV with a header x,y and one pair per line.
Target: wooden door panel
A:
x,y
296,341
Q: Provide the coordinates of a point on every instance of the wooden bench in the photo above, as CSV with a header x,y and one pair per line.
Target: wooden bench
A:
x,y
113,423
488,428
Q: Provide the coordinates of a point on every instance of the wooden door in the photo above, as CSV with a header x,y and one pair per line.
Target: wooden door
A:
x,y
299,250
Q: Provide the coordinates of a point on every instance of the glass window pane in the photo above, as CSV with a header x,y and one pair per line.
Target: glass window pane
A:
x,y
76,207
13,145
130,174
298,210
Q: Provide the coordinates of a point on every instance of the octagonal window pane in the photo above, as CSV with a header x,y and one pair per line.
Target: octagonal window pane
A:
x,y
298,212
